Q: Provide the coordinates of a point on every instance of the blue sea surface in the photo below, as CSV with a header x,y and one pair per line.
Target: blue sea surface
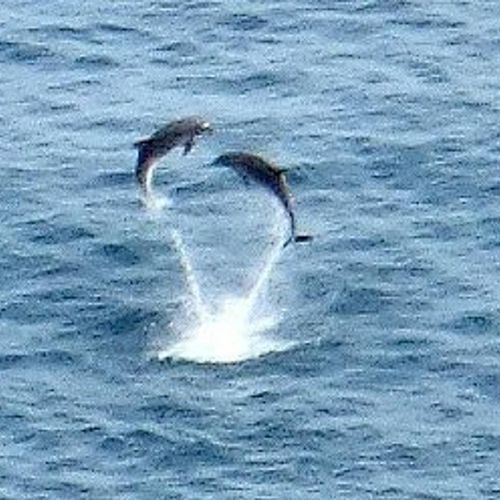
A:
x,y
177,351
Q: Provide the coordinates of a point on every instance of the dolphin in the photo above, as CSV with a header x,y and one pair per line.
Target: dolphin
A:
x,y
269,175
151,149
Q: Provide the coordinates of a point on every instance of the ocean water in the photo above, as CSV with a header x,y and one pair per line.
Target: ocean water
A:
x,y
176,350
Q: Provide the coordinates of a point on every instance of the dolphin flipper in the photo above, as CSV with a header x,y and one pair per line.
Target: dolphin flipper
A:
x,y
188,146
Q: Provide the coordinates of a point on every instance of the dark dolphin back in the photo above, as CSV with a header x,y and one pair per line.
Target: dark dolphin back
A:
x,y
173,131
273,178
270,176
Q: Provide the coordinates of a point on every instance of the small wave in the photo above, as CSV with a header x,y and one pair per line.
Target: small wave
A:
x,y
60,31
24,52
52,357
116,28
121,254
58,233
245,22
96,61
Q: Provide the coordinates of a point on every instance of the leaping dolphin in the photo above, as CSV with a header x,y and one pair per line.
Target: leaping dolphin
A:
x,y
151,149
270,176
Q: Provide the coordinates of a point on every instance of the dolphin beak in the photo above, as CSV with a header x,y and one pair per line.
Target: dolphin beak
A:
x,y
207,127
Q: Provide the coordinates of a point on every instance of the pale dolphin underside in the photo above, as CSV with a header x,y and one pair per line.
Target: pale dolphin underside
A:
x,y
249,165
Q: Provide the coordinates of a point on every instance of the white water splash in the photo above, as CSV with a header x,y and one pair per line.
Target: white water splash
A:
x,y
194,291
155,203
231,330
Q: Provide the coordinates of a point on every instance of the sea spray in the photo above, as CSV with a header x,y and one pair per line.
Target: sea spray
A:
x,y
155,203
229,329
195,300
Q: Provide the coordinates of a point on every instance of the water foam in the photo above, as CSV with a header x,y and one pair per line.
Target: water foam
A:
x,y
155,203
229,330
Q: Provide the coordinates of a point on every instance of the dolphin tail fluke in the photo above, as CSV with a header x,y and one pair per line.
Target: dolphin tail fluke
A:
x,y
296,238
302,238
299,238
